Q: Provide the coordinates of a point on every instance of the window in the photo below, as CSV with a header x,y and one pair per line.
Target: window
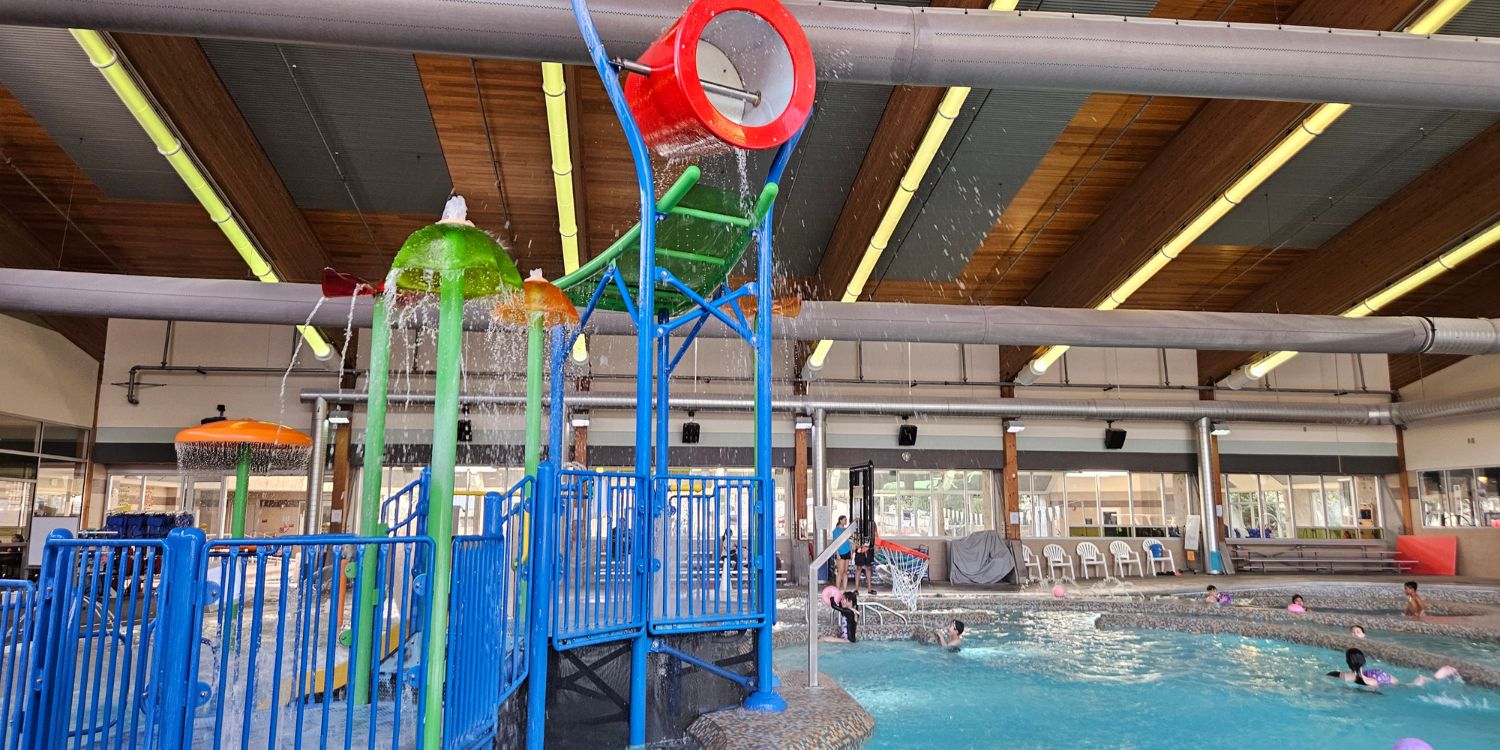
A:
x,y
1460,497
1258,506
34,484
1098,503
1042,503
1308,507
922,502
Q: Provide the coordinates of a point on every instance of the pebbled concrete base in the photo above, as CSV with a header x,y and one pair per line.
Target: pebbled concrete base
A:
x,y
821,718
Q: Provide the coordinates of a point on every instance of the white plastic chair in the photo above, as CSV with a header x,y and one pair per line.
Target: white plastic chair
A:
x,y
1057,560
1148,546
1124,558
1089,555
1031,563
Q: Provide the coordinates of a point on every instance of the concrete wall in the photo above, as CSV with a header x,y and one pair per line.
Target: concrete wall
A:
x,y
45,376
1461,441
1478,549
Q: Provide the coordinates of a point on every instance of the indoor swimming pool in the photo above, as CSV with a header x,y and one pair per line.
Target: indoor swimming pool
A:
x,y
1051,679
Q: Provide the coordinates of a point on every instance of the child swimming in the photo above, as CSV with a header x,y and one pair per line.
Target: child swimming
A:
x,y
1372,677
848,621
951,636
1298,606
1414,605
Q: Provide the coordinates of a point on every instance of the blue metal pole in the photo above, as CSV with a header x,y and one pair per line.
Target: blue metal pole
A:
x,y
764,698
179,612
644,312
538,651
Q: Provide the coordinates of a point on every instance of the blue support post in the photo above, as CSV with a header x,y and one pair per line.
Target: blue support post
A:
x,y
538,649
181,608
765,698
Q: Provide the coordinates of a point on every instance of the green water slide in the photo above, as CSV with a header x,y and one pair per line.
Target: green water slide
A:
x,y
701,238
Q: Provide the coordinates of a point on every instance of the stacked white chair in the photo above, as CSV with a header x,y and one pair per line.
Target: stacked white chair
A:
x,y
1149,547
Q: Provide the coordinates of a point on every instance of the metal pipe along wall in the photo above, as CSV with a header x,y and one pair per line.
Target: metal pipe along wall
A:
x,y
871,43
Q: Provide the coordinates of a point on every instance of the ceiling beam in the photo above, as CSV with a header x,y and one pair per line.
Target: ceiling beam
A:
x,y
1458,196
1221,139
19,248
902,124
187,88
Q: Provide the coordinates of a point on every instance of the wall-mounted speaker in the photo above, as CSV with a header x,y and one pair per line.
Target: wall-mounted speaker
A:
x,y
907,435
465,431
690,432
1113,439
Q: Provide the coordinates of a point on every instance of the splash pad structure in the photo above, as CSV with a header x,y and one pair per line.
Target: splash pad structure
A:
x,y
406,635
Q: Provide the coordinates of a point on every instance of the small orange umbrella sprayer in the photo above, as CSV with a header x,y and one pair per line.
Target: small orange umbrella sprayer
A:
x,y
540,305
240,444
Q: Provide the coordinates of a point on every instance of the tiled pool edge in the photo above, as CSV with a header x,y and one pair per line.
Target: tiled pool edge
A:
x,y
821,718
1405,656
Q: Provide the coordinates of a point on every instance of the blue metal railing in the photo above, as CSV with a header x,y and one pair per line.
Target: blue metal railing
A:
x,y
405,513
96,645
599,537
487,621
281,620
708,539
17,612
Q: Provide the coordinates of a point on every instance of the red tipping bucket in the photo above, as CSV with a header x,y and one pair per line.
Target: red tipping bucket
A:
x,y
752,45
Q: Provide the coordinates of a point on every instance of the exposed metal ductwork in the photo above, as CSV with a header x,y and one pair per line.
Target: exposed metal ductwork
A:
x,y
875,43
1399,414
230,301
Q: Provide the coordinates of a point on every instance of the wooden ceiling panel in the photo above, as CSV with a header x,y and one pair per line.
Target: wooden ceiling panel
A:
x,y
1213,277
350,238
185,85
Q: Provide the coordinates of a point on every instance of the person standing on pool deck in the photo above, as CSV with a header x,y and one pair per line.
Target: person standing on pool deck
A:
x,y
864,556
1414,605
842,557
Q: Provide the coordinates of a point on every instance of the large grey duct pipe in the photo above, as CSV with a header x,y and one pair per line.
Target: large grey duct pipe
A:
x,y
229,301
873,43
1091,409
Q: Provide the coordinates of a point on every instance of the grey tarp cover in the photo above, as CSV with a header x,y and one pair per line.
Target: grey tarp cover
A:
x,y
982,557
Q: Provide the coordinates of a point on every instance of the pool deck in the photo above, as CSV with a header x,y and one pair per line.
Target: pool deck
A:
x,y
821,718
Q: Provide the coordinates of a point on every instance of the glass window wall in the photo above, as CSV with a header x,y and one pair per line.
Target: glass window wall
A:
x,y
1460,497
1098,503
944,503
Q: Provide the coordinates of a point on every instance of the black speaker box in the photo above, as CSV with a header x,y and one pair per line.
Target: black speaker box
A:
x,y
690,432
907,435
1114,439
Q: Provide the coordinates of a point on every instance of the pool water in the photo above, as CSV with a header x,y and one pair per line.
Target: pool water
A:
x,y
1052,680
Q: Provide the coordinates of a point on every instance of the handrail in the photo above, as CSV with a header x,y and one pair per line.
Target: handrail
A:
x,y
666,204
812,602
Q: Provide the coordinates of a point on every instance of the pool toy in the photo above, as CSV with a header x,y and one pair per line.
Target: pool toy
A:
x,y
1411,743
1059,592
1296,608
831,594
1224,599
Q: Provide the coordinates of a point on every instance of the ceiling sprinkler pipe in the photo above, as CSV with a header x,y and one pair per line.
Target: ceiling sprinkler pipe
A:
x,y
877,43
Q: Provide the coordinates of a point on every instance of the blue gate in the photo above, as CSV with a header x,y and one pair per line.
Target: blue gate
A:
x,y
599,574
17,612
708,542
311,642
98,644
487,622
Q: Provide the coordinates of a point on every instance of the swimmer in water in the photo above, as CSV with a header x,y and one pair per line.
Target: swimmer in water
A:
x,y
1371,677
1212,594
1298,605
951,636
1357,673
1414,605
1358,631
